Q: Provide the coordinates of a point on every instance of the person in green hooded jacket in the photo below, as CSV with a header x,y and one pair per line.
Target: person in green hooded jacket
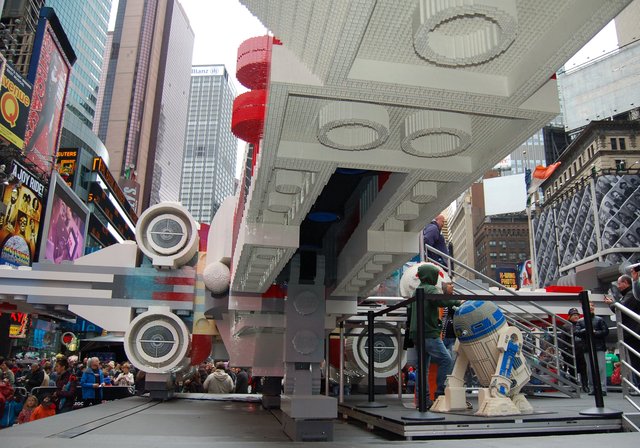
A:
x,y
434,347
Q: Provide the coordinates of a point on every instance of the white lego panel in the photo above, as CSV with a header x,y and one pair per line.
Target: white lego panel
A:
x,y
111,318
437,91
119,255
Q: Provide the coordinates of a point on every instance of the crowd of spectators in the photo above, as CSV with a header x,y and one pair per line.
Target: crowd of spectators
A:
x,y
219,378
31,391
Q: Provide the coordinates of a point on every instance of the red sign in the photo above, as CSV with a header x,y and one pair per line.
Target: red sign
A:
x,y
44,124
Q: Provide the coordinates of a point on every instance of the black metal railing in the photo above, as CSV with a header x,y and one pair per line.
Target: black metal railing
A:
x,y
419,298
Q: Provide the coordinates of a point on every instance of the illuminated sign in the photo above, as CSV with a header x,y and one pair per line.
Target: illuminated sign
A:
x,y
15,99
211,70
99,197
18,325
101,168
99,232
66,164
507,277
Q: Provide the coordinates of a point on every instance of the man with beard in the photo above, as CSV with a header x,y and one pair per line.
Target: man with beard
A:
x,y
629,300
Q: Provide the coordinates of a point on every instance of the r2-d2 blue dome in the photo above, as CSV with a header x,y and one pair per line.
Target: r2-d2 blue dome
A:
x,y
477,319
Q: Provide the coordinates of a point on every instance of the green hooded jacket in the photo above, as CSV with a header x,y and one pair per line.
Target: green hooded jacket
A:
x,y
428,275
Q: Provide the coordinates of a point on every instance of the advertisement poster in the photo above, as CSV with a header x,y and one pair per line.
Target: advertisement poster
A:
x,y
66,163
524,269
21,207
44,124
65,239
507,277
15,99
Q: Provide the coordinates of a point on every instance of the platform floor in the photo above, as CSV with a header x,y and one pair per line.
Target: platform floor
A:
x,y
555,414
184,422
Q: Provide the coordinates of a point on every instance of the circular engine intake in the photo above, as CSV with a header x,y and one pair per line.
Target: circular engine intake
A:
x,y
157,341
385,351
167,234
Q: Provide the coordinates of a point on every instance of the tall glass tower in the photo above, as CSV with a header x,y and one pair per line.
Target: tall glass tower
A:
x,y
208,171
86,23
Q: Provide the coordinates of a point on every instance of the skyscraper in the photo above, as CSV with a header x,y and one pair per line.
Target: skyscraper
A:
x,y
210,147
85,22
145,95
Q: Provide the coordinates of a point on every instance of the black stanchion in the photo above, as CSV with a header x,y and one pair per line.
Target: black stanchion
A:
x,y
371,403
599,410
422,413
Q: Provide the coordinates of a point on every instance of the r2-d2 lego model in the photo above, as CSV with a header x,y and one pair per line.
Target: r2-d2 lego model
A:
x,y
493,349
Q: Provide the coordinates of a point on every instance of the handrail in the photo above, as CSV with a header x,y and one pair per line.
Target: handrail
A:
x,y
488,279
420,297
627,351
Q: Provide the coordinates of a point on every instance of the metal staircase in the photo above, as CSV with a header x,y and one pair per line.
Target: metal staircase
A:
x,y
542,329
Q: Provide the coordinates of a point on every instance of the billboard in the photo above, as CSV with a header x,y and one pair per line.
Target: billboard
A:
x,y
525,274
18,325
66,165
507,277
100,198
131,190
66,223
20,217
50,80
101,168
15,99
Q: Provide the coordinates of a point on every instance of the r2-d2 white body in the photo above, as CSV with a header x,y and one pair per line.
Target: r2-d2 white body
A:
x,y
493,349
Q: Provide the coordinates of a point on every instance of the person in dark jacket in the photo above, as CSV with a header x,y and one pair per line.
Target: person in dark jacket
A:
x,y
578,346
629,300
434,347
92,382
433,237
35,377
600,333
66,384
242,382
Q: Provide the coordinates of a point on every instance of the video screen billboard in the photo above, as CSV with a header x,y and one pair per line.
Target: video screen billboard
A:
x,y
22,208
50,81
15,99
66,223
66,165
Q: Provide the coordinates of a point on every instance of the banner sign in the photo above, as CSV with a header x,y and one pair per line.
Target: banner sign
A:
x,y
22,204
131,190
15,99
44,124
